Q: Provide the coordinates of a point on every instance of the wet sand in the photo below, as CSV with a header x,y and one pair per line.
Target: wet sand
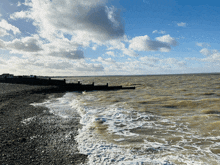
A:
x,y
35,141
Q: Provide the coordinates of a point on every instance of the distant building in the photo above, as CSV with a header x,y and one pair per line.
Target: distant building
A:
x,y
25,76
6,75
33,76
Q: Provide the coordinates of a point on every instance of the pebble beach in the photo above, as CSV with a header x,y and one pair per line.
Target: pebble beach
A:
x,y
26,137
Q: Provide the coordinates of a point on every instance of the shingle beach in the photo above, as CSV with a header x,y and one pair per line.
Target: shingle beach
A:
x,y
35,141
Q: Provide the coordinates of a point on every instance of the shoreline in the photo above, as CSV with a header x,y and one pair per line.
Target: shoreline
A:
x,y
36,142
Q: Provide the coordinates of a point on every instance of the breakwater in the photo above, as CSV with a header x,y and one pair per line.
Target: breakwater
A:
x,y
61,84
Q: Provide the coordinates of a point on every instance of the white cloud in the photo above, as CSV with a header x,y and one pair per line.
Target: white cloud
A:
x,y
212,56
20,15
205,51
159,32
199,44
181,24
167,39
39,65
2,61
139,43
58,65
129,52
210,62
3,32
62,47
162,63
93,18
2,44
118,44
19,4
213,59
150,65
5,25
94,47
165,49
110,53
89,67
173,63
85,24
203,44
109,64
35,46
107,61
71,54
144,43
27,44
149,59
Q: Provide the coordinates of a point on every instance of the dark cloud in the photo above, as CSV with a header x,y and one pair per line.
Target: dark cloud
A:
x,y
89,67
72,54
29,44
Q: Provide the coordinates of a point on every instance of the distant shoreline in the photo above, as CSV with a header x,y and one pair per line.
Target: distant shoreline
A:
x,y
179,74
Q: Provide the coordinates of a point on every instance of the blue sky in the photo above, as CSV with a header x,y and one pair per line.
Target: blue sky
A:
x,y
109,37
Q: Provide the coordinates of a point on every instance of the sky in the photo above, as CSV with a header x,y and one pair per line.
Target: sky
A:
x,y
109,37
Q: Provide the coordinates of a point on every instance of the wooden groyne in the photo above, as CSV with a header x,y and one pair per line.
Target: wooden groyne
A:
x,y
91,87
61,84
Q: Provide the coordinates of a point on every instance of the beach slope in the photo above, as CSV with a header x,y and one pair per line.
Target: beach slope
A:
x,y
27,137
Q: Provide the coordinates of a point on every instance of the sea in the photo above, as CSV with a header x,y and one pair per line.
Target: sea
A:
x,y
166,120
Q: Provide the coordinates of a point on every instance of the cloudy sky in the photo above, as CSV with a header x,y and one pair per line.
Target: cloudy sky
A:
x,y
109,37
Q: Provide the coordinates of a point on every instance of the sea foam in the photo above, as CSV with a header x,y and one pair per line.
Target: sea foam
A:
x,y
112,134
